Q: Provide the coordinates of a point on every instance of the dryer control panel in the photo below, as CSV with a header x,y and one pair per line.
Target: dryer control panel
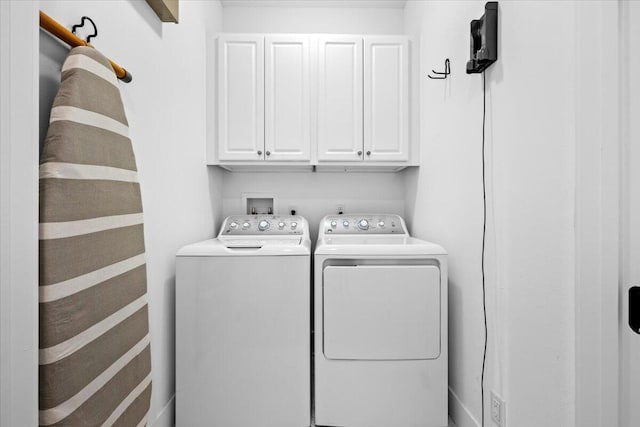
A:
x,y
270,225
363,224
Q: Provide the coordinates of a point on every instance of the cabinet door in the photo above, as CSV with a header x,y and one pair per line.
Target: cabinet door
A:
x,y
340,98
240,97
386,98
287,98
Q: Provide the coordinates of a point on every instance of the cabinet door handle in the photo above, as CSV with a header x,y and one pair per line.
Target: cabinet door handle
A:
x,y
368,153
268,153
634,309
259,152
359,153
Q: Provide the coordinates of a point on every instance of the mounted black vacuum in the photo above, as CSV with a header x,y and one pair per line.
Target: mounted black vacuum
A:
x,y
484,39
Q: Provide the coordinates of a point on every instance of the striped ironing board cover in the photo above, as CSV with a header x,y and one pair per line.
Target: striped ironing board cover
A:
x,y
95,363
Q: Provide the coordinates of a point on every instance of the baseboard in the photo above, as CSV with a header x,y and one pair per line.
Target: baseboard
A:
x,y
166,418
459,413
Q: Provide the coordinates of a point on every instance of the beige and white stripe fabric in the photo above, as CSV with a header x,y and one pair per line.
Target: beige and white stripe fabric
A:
x,y
95,363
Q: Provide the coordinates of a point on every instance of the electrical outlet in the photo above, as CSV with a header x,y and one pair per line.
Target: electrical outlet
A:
x,y
340,208
498,410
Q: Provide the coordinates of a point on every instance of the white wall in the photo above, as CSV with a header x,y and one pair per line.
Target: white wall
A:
x,y
530,177
530,158
18,214
316,194
166,108
297,19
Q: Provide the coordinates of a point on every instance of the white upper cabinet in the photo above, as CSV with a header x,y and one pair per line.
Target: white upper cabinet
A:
x,y
340,98
287,98
240,97
386,98
298,100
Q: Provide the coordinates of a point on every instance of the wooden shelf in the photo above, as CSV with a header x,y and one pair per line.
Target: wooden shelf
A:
x,y
167,10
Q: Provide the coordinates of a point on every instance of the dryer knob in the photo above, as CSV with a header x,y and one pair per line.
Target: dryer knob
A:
x,y
294,225
334,224
246,225
363,224
263,225
345,223
281,225
233,225
381,224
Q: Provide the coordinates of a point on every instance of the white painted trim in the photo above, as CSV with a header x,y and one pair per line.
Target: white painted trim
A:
x,y
459,413
166,416
597,137
394,4
19,151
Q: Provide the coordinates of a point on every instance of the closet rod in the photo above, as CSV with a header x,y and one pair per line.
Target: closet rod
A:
x,y
55,28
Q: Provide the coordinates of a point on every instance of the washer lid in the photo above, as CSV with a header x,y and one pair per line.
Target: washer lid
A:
x,y
256,235
259,243
247,247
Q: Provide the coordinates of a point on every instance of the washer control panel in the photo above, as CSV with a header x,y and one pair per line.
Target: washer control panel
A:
x,y
363,224
273,225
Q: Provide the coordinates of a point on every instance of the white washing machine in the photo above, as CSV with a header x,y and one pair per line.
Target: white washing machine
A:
x,y
380,345
243,325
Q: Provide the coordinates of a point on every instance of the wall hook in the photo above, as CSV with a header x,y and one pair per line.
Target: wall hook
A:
x,y
81,24
441,76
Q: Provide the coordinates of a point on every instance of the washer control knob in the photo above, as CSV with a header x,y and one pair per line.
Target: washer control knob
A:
x,y
263,225
246,225
233,225
381,224
363,224
334,224
345,223
281,225
294,225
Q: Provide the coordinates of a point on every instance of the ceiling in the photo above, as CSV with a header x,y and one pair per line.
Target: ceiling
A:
x,y
316,3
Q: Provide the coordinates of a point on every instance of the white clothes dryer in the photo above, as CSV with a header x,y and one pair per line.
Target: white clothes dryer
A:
x,y
380,325
243,330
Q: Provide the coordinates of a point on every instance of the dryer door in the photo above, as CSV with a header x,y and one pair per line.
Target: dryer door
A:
x,y
381,312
